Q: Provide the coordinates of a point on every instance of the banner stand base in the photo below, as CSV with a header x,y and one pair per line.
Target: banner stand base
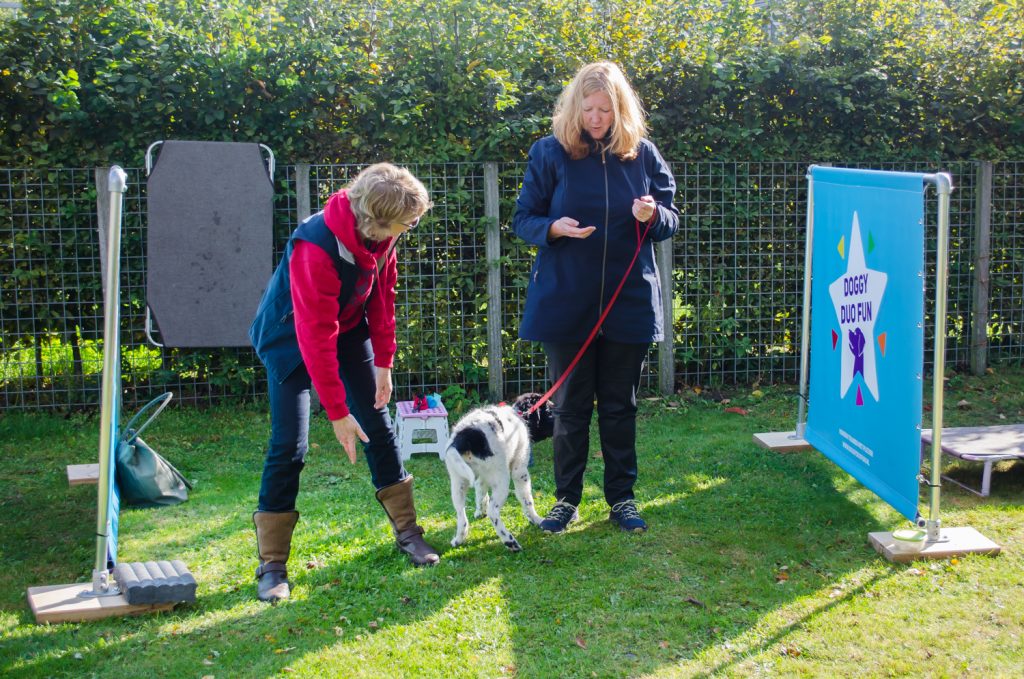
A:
x,y
64,603
782,441
84,474
953,542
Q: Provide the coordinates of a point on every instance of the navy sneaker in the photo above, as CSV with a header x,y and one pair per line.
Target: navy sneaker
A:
x,y
627,516
559,518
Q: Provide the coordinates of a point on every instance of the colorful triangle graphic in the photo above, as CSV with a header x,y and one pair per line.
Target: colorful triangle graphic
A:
x,y
860,396
842,247
835,338
871,242
881,343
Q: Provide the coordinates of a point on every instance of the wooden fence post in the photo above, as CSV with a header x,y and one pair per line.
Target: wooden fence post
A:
x,y
302,209
982,256
495,373
102,217
666,349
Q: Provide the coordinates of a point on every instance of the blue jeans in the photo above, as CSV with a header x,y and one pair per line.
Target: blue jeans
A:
x,y
609,371
289,424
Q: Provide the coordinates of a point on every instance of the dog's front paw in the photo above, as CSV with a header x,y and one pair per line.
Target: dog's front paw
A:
x,y
514,546
478,513
456,541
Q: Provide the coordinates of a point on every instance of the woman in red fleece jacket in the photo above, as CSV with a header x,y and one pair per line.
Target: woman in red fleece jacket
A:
x,y
327,319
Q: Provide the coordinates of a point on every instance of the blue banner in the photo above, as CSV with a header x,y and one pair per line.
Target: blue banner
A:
x,y
114,499
867,336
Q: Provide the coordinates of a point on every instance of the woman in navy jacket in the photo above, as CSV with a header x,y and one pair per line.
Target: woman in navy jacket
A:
x,y
591,192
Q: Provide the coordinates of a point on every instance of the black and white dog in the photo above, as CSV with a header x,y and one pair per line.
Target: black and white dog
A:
x,y
487,446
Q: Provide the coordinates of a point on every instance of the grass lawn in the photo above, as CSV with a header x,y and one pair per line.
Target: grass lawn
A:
x,y
756,562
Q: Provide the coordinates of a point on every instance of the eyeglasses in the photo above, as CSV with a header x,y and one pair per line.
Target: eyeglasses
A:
x,y
411,225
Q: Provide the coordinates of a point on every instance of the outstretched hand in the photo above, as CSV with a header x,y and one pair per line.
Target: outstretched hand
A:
x,y
346,430
567,227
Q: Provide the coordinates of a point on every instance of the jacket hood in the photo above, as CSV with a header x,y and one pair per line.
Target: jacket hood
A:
x,y
341,221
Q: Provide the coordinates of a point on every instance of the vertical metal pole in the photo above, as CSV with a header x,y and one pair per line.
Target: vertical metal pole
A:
x,y
666,349
805,321
944,185
982,255
495,374
117,180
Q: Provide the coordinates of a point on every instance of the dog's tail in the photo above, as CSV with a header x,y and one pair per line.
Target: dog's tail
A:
x,y
453,458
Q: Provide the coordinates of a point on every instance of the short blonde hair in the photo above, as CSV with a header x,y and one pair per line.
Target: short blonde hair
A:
x,y
629,125
383,194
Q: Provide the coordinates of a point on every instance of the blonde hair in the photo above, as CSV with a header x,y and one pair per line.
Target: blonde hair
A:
x,y
628,126
383,194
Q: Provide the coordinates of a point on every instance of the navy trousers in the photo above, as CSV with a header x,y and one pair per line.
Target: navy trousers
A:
x,y
289,424
609,371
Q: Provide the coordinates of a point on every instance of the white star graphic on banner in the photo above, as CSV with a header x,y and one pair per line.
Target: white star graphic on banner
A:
x,y
857,298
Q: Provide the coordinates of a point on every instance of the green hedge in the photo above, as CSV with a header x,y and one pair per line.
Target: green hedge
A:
x,y
433,80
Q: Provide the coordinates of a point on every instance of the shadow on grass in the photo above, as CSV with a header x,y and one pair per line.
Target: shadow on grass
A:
x,y
737,533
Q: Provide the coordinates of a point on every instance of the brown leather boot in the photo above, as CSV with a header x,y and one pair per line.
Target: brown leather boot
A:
x,y
396,500
273,543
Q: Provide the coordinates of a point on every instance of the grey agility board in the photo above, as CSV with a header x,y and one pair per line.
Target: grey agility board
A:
x,y
209,243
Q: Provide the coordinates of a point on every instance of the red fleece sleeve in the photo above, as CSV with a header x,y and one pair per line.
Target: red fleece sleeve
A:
x,y
380,314
315,290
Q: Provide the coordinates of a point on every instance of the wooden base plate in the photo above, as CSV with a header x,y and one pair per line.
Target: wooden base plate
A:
x,y
62,603
955,542
83,474
782,441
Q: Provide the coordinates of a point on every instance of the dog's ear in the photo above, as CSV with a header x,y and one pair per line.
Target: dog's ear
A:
x,y
544,426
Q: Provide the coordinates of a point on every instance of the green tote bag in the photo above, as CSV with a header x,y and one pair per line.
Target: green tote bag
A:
x,y
144,477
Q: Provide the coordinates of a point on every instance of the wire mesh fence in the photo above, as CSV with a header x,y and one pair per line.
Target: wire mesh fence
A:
x,y
736,271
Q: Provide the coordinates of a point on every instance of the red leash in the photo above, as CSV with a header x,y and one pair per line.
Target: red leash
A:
x,y
593,333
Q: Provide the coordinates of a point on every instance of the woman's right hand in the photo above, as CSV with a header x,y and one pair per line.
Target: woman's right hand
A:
x,y
567,227
346,430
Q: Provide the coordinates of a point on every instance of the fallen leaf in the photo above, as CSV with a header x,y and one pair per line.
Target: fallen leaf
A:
x,y
781,576
791,651
663,644
738,411
963,403
914,571
287,649
695,602
581,643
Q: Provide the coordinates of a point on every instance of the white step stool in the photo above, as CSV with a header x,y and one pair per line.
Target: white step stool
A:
x,y
423,431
